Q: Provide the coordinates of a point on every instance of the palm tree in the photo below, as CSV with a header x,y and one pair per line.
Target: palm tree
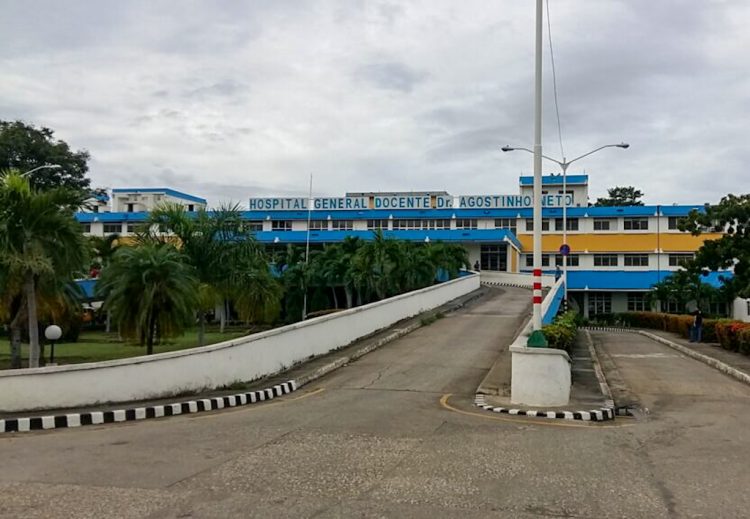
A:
x,y
211,240
39,236
150,288
103,249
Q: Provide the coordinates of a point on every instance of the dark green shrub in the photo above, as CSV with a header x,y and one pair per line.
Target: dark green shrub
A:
x,y
561,334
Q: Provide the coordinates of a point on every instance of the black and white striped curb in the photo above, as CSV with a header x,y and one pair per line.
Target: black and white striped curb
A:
x,y
38,423
596,415
504,284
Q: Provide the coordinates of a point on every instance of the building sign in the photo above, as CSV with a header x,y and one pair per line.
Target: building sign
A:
x,y
358,203
509,201
352,203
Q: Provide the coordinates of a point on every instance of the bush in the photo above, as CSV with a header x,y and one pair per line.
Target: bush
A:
x,y
731,335
561,334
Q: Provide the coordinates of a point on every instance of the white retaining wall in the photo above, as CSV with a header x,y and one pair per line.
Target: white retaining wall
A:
x,y
540,377
246,358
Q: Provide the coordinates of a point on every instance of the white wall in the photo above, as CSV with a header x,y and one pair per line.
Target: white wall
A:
x,y
246,358
509,278
741,309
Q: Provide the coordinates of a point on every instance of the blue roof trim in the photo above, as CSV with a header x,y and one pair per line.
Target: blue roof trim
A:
x,y
167,191
111,217
457,235
384,214
553,180
628,280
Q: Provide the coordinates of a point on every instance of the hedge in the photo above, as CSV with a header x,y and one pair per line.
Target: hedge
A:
x,y
561,334
731,335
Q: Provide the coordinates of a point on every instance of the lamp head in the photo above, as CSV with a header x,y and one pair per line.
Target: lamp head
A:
x,y
507,148
624,145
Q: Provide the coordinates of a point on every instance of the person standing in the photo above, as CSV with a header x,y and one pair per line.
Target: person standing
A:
x,y
696,331
476,265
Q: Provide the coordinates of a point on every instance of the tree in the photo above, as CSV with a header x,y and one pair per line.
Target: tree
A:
x,y
39,238
732,251
103,250
25,147
215,243
618,196
150,289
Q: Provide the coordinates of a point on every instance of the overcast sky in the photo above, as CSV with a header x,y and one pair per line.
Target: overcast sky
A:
x,y
233,99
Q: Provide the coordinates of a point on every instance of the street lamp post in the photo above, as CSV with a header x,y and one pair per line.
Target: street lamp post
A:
x,y
564,167
46,166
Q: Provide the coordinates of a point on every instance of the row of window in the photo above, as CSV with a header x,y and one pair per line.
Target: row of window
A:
x,y
611,260
601,302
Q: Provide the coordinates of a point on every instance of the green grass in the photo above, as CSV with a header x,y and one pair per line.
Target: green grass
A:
x,y
98,346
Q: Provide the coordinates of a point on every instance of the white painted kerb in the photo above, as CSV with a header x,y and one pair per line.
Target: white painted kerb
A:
x,y
246,358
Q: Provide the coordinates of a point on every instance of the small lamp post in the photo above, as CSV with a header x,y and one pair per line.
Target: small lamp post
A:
x,y
52,333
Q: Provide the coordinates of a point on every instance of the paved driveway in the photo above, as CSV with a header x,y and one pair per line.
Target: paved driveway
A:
x,y
373,440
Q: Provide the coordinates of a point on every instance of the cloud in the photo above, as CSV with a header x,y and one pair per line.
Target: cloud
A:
x,y
235,99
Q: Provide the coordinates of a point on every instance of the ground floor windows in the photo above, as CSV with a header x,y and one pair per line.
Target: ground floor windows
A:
x,y
493,257
506,223
343,225
112,228
377,224
605,260
255,225
318,225
86,227
466,223
638,302
573,260
636,260
679,260
600,303
281,225
530,260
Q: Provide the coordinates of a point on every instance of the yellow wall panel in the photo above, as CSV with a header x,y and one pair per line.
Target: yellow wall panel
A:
x,y
646,242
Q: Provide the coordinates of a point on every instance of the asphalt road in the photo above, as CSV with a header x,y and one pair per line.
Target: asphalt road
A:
x,y
374,440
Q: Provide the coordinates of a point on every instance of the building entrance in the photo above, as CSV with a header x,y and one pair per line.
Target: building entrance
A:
x,y
494,257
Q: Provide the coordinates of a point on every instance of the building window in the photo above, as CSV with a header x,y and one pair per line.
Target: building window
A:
x,y
573,260
86,227
571,223
343,225
131,208
438,224
670,306
530,260
95,209
466,223
493,257
132,228
638,302
318,225
604,224
255,225
505,223
191,208
605,260
679,260
673,223
636,260
281,225
112,228
530,224
407,225
377,224
600,303
636,224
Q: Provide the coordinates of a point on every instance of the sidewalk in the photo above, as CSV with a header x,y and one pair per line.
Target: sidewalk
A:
x,y
714,350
